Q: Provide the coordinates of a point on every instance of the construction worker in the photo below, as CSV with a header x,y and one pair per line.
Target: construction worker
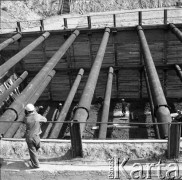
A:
x,y
33,130
124,104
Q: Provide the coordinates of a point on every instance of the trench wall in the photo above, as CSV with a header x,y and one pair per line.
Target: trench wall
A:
x,y
123,53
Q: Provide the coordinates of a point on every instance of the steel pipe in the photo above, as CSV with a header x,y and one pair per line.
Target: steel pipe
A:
x,y
13,128
106,106
176,31
57,127
160,105
82,112
12,113
5,95
15,59
151,105
178,71
10,41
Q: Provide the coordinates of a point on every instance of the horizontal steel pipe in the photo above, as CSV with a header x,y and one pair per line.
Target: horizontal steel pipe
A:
x,y
178,71
15,59
161,109
82,112
5,95
18,105
13,128
176,31
57,127
10,41
106,106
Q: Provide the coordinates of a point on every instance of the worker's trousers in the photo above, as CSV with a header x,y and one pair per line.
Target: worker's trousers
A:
x,y
33,145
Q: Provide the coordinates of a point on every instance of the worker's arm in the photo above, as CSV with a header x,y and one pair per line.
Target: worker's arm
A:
x,y
42,118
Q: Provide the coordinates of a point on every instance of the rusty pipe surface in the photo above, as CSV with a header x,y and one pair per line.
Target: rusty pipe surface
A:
x,y
10,41
161,109
13,87
82,112
106,106
178,71
14,127
176,31
57,127
15,59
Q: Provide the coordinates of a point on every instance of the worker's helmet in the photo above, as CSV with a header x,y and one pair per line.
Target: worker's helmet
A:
x,y
29,107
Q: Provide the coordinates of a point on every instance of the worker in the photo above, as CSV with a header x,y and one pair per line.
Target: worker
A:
x,y
124,104
33,130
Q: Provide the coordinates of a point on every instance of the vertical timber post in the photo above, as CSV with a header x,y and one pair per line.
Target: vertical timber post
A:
x,y
18,27
165,16
76,141
41,25
114,20
140,18
89,22
65,23
174,140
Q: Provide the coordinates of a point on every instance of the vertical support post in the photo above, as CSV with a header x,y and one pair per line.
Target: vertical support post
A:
x,y
89,22
65,23
41,25
114,20
165,16
140,18
174,140
76,141
18,27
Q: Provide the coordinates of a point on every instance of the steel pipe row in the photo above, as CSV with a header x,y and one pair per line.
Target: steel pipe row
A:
x,y
14,127
12,113
10,41
15,59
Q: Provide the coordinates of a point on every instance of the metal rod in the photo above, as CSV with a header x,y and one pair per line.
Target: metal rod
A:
x,y
15,59
82,112
57,128
176,31
12,113
14,127
160,105
10,41
13,87
106,106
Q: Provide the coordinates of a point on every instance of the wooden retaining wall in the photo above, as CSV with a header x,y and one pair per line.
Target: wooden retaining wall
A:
x,y
123,53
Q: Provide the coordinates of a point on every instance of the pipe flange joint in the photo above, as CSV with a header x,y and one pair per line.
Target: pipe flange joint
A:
x,y
14,111
158,106
81,107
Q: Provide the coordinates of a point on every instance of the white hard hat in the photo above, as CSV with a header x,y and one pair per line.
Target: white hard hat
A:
x,y
29,107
